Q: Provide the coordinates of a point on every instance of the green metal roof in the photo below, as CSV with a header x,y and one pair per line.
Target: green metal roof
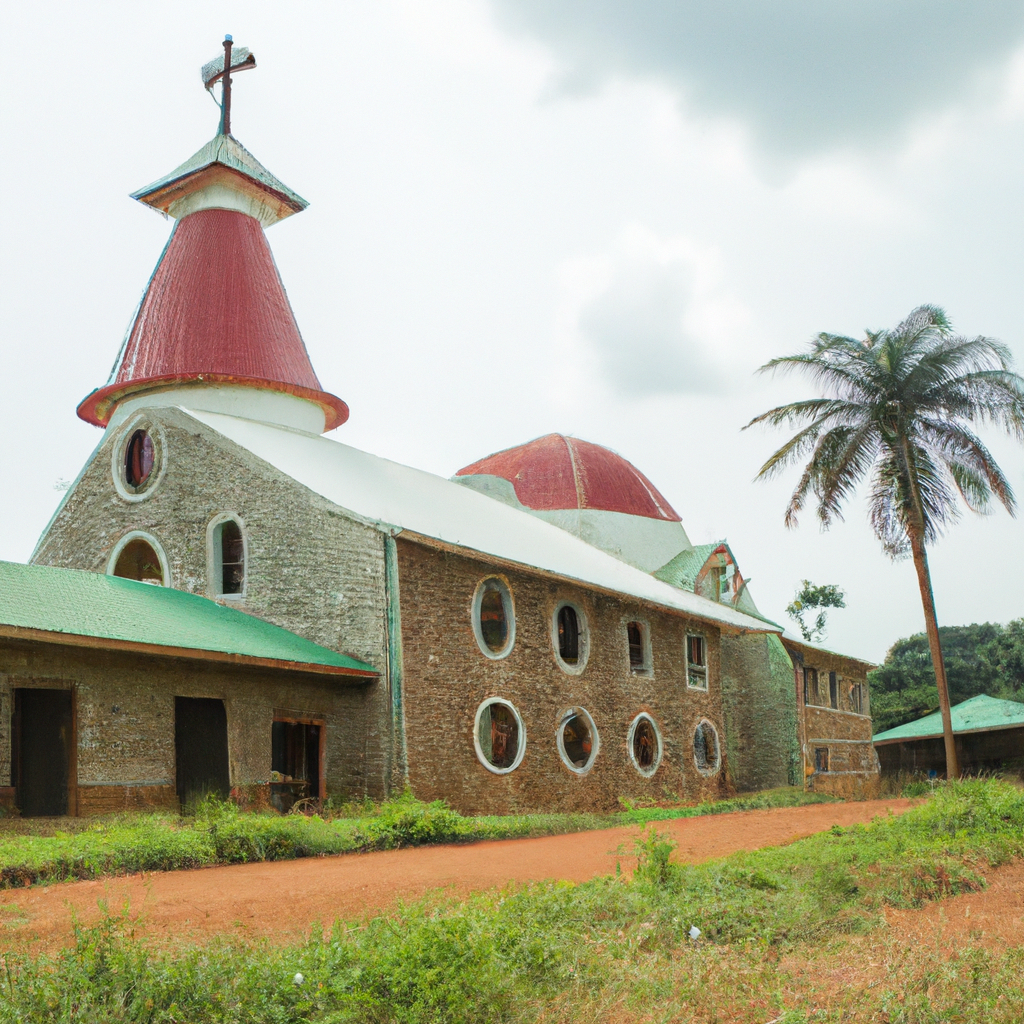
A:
x,y
226,150
107,608
682,570
974,715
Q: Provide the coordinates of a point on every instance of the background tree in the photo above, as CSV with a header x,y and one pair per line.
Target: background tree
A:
x,y
898,409
903,687
810,598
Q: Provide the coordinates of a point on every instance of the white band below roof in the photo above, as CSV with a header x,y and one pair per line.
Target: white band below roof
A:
x,y
231,400
221,196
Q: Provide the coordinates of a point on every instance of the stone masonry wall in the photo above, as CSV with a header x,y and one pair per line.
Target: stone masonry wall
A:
x,y
446,677
310,568
760,712
125,716
853,765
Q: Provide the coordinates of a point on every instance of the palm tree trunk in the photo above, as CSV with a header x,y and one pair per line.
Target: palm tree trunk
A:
x,y
924,581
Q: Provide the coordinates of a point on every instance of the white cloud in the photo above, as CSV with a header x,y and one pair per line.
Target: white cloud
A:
x,y
652,316
802,76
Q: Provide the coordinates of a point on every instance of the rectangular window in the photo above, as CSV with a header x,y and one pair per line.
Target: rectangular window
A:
x,y
637,654
811,686
696,662
857,698
295,761
833,691
821,759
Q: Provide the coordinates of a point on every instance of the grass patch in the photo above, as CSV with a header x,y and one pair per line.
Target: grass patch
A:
x,y
218,833
599,950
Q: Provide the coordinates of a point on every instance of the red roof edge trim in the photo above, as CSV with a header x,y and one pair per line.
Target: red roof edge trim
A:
x,y
99,405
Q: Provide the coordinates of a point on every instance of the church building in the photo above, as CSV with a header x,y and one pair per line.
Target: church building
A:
x,y
536,632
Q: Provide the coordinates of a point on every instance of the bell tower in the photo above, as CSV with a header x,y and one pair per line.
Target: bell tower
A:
x,y
215,330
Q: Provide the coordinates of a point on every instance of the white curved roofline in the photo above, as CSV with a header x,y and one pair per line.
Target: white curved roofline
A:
x,y
402,498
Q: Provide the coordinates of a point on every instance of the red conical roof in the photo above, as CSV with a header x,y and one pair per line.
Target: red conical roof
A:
x,y
558,472
215,311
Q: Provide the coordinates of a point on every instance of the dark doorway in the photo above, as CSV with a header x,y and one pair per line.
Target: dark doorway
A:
x,y
42,752
201,748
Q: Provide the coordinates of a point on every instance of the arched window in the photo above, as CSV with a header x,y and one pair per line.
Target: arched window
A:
x,y
707,754
137,557
569,637
499,736
644,744
227,557
494,619
578,742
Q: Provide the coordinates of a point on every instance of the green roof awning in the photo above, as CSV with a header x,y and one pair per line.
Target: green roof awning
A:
x,y
978,714
91,610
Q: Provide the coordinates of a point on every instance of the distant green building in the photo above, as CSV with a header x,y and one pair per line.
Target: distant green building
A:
x,y
989,735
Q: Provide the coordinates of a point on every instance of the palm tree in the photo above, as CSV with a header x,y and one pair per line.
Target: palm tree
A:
x,y
898,408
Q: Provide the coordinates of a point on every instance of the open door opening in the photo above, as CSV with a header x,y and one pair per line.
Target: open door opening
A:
x,y
42,754
296,762
201,748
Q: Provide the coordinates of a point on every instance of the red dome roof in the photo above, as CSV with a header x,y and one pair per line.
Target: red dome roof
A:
x,y
215,311
557,472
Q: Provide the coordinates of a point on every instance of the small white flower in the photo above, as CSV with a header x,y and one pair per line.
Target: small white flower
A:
x,y
298,979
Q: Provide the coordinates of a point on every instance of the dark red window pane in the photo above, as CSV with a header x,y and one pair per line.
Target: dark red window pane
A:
x,y
138,458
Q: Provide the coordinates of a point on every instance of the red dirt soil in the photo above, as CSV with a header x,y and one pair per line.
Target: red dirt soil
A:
x,y
993,917
282,900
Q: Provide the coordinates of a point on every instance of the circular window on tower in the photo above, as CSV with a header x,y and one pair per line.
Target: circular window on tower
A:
x,y
707,754
644,744
578,742
494,618
137,461
499,736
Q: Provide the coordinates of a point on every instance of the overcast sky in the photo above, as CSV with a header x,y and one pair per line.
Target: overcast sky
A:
x,y
586,216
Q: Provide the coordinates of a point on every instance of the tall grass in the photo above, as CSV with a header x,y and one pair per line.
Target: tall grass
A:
x,y
600,949
218,833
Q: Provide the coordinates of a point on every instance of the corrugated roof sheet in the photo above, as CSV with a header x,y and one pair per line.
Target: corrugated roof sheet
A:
x,y
228,151
403,498
978,713
216,310
88,604
682,571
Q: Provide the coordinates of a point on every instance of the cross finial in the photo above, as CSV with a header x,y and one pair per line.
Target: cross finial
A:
x,y
221,70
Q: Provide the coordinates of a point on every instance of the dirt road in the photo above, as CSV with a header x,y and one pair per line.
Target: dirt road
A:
x,y
283,899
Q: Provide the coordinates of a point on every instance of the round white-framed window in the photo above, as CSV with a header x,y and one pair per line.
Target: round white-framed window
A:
x,y
707,751
499,736
494,618
138,459
643,741
139,556
577,740
570,637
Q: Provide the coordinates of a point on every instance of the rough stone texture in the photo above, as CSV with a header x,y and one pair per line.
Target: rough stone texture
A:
x,y
310,567
125,717
853,764
446,677
761,717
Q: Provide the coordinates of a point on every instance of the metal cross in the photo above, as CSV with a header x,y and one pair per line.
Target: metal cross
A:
x,y
221,70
